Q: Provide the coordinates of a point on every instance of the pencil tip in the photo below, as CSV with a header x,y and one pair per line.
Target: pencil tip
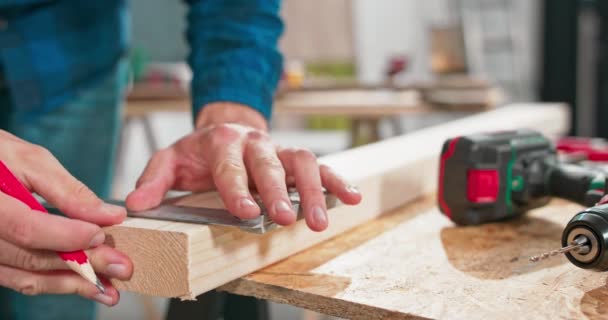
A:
x,y
100,287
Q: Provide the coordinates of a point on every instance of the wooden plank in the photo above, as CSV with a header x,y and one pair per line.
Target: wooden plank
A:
x,y
414,263
185,260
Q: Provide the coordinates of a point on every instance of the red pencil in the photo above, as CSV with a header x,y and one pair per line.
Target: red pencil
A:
x,y
76,260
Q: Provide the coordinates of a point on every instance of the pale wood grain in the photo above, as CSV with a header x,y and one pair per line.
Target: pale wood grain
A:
x,y
184,260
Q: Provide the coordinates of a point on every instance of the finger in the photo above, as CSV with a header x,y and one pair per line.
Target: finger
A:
x,y
60,282
104,259
334,184
7,135
230,177
285,155
36,230
308,184
46,176
155,181
269,176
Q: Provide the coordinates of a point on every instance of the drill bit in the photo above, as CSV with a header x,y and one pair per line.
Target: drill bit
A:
x,y
576,245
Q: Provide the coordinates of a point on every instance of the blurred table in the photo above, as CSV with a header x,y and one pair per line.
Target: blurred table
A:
x,y
365,107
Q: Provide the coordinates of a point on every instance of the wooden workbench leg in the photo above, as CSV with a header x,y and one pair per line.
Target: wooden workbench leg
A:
x,y
364,131
397,126
207,306
215,305
241,307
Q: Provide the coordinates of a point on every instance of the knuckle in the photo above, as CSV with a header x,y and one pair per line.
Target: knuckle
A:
x,y
81,191
227,166
39,152
269,162
289,150
305,155
160,154
29,286
22,233
81,291
274,188
33,154
257,135
28,261
325,168
223,133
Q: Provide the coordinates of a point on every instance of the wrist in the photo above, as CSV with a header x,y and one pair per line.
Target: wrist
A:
x,y
230,112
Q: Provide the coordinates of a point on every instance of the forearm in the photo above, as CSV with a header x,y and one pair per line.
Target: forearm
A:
x,y
234,58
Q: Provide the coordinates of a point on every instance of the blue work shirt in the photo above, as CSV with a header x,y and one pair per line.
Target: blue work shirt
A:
x,y
49,49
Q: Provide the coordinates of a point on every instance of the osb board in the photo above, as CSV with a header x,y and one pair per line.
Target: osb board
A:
x,y
414,263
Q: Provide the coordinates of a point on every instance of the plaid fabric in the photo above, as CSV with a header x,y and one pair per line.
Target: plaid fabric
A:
x,y
51,49
234,55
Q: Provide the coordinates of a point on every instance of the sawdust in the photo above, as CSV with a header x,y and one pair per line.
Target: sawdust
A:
x,y
500,250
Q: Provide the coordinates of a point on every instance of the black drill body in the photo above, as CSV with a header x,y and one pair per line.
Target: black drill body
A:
x,y
496,176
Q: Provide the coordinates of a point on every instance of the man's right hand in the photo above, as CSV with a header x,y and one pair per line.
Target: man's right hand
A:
x,y
29,239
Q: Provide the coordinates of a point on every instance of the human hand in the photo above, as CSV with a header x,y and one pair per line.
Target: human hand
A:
x,y
29,239
231,151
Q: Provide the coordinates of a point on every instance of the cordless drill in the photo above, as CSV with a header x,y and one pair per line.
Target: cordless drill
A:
x,y
495,176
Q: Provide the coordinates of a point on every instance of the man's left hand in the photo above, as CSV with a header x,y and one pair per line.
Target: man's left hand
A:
x,y
232,152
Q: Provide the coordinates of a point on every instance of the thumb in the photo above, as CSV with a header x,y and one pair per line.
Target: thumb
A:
x,y
158,177
72,197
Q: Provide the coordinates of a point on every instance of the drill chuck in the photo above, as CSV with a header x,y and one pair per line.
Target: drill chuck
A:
x,y
589,230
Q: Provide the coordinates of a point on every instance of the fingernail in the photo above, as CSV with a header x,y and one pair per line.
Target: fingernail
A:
x,y
102,298
246,203
319,216
113,209
116,270
98,239
282,206
352,189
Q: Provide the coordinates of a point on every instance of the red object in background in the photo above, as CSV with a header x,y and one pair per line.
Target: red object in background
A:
x,y
482,185
593,149
396,66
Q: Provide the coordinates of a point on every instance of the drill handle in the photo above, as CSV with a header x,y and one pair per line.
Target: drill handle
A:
x,y
584,186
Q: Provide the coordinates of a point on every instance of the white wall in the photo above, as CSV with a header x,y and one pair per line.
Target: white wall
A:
x,y
387,27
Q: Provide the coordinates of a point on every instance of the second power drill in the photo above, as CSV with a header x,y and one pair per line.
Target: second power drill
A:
x,y
489,177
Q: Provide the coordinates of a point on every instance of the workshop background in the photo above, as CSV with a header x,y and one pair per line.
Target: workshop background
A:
x,y
447,58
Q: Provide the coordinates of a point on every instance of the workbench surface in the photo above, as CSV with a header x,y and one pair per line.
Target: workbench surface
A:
x,y
413,262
